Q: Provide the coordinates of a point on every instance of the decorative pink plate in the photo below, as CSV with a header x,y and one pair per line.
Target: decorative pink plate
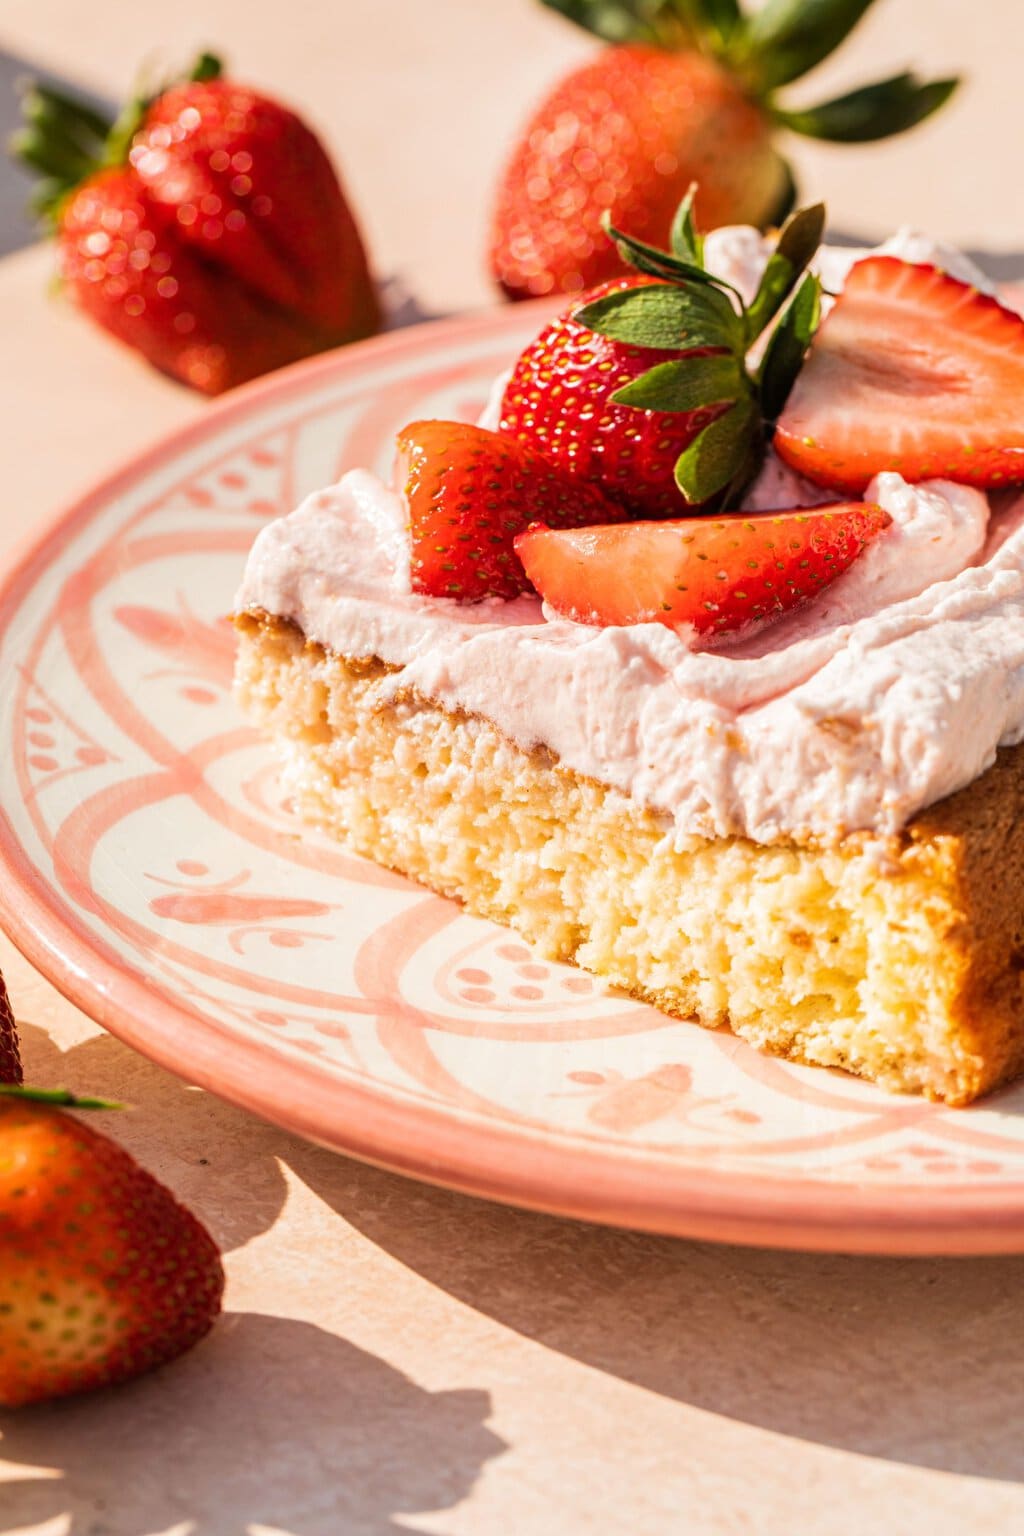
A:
x,y
153,871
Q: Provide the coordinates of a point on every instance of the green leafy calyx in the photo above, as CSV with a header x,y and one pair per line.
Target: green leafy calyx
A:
x,y
768,49
65,139
689,311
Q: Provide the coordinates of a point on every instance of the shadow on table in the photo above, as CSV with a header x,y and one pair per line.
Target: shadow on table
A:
x,y
268,1423
914,1361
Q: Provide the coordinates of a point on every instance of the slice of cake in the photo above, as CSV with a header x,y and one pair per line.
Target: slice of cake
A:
x,y
789,801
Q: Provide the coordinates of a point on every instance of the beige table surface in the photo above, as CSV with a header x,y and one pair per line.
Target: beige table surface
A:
x,y
395,1357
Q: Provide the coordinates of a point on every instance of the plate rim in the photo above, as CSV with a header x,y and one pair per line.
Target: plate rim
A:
x,y
515,1166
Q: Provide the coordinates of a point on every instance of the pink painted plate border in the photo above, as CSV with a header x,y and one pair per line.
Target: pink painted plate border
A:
x,y
541,1171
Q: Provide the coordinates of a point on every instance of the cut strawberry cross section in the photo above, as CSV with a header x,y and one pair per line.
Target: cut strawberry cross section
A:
x,y
913,371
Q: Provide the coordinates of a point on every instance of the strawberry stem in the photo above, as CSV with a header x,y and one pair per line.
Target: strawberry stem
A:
x,y
64,140
61,1097
669,24
43,106
765,48
208,66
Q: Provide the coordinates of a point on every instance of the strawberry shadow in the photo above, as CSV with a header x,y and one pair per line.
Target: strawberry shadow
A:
x,y
270,1422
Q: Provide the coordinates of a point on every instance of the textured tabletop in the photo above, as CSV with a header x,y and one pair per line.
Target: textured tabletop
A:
x,y
394,1357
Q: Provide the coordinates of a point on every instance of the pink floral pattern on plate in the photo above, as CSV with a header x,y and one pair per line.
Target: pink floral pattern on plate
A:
x,y
154,870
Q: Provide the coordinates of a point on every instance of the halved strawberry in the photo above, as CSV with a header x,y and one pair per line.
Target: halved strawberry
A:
x,y
716,574
468,493
912,371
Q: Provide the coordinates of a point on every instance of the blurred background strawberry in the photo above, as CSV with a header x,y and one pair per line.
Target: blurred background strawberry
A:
x,y
206,227
686,92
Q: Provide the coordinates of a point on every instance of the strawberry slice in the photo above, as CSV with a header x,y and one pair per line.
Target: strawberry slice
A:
x,y
716,574
468,492
912,371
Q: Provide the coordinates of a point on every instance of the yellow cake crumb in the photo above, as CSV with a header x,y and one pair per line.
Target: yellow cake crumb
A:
x,y
901,963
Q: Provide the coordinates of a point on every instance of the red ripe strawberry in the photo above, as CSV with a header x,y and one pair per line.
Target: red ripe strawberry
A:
x,y
104,1274
719,575
209,231
10,1056
558,402
688,95
468,493
912,371
628,131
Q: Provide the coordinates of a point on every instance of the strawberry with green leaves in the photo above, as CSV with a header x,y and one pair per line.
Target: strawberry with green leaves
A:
x,y
467,493
562,401
103,1274
206,227
645,390
688,91
717,576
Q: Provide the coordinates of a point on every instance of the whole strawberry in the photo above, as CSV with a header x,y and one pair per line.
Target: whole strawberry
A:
x,y
559,402
687,93
206,228
103,1274
646,390
468,493
10,1056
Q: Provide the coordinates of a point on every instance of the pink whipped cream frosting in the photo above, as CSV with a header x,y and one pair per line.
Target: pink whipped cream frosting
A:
x,y
889,691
